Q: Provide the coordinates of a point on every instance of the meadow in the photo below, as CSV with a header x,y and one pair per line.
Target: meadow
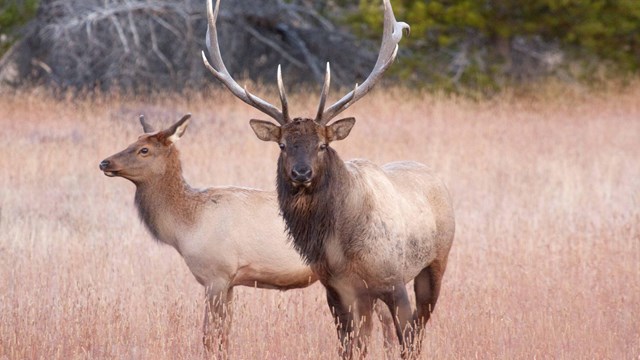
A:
x,y
545,263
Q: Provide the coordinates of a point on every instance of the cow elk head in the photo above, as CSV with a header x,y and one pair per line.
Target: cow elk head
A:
x,y
150,156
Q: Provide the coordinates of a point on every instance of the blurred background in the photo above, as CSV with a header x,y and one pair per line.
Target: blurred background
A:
x,y
461,46
517,104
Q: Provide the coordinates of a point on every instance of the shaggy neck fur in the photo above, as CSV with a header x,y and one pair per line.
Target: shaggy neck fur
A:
x,y
311,214
165,198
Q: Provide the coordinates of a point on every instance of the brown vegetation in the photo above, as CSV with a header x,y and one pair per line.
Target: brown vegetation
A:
x,y
546,261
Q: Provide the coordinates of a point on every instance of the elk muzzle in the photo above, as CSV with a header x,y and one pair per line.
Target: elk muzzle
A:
x,y
105,166
301,174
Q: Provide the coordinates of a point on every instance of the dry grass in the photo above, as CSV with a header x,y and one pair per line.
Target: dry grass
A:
x,y
546,261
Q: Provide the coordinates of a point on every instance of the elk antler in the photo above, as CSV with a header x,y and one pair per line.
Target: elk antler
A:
x,y
222,74
390,38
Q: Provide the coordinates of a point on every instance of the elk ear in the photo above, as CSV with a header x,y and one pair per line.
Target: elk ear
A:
x,y
340,129
175,132
146,127
265,130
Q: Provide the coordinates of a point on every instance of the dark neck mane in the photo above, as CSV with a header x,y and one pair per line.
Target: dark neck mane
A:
x,y
311,214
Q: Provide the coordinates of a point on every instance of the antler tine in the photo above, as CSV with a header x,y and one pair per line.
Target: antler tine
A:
x,y
391,36
324,93
222,74
283,96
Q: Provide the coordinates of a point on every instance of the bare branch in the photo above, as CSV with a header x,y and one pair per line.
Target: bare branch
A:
x,y
274,46
123,39
150,43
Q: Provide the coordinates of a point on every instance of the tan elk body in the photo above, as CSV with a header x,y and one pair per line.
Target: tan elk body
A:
x,y
228,236
366,230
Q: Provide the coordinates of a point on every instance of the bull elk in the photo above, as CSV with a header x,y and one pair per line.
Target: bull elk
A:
x,y
228,236
366,230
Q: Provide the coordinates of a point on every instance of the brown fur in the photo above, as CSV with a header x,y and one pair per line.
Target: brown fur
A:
x,y
209,228
353,221
365,230
311,213
170,192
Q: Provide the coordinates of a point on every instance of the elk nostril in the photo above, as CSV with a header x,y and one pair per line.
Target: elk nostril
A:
x,y
302,173
104,164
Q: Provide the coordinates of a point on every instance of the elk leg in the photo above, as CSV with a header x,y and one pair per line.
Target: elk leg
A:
x,y
363,325
343,317
388,328
427,288
217,319
398,302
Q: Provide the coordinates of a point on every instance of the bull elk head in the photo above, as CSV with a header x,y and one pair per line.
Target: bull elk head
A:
x,y
303,140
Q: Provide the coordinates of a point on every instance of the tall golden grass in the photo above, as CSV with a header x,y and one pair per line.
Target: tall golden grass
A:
x,y
545,264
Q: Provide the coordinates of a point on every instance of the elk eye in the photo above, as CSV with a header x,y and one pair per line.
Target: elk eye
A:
x,y
323,146
281,146
144,151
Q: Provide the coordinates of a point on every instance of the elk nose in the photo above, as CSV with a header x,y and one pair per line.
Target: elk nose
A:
x,y
301,173
104,164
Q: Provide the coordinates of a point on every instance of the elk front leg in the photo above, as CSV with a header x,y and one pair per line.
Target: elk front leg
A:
x,y
217,319
388,329
343,320
398,302
352,328
363,325
353,322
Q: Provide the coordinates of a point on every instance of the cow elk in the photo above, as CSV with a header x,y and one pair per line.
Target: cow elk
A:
x,y
228,236
366,230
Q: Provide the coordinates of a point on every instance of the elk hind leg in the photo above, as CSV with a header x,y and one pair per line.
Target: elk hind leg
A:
x,y
427,289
